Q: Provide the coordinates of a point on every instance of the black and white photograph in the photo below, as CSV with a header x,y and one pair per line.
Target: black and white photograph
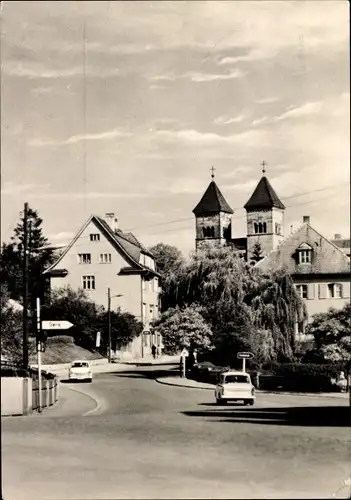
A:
x,y
175,249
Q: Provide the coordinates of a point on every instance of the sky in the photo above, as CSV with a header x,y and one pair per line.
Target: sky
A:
x,y
125,106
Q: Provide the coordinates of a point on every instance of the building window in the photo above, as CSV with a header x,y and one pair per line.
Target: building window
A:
x,y
84,258
260,227
94,237
146,337
144,312
305,256
208,232
105,258
334,290
302,291
88,282
277,228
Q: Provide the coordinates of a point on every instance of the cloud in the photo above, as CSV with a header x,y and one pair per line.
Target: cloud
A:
x,y
249,137
307,109
110,134
200,77
267,100
10,188
222,120
34,70
258,121
89,195
61,236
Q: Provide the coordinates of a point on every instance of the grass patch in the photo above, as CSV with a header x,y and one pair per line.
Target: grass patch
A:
x,y
62,349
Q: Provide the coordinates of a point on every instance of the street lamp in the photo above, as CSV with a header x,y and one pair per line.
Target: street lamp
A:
x,y
109,297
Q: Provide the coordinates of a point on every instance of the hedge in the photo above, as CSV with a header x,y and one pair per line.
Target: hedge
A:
x,y
307,376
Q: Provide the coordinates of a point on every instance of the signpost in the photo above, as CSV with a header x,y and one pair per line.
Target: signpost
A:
x,y
39,355
56,325
244,356
98,339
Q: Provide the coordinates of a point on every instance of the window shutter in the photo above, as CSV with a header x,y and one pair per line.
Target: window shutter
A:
x,y
322,291
310,291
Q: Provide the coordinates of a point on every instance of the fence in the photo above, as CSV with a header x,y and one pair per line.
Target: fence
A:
x,y
20,390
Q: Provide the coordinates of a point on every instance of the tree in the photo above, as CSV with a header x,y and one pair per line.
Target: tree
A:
x,y
89,318
167,257
11,328
257,253
76,307
331,331
11,259
124,328
237,300
184,328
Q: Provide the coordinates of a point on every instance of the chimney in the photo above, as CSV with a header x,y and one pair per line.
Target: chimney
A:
x,y
112,221
337,236
306,219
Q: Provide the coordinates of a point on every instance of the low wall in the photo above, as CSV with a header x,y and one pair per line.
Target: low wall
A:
x,y
16,396
20,395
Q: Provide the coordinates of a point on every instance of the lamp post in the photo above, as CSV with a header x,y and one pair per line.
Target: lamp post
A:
x,y
109,297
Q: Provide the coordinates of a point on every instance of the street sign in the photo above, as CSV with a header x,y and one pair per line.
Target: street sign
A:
x,y
98,339
56,325
245,355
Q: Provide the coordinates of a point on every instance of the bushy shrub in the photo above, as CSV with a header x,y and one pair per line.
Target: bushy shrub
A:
x,y
308,376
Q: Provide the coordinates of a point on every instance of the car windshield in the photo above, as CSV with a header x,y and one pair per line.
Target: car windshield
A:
x,y
238,379
80,364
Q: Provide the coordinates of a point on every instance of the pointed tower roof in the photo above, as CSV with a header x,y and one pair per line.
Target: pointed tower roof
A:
x,y
264,196
212,202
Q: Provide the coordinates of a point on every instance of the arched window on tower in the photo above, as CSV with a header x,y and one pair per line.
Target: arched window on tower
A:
x,y
204,232
256,227
264,227
212,232
260,227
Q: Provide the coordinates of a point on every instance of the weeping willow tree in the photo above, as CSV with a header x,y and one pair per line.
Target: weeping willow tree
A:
x,y
246,309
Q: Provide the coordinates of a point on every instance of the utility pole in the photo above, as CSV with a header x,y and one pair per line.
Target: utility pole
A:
x,y
25,286
39,347
109,322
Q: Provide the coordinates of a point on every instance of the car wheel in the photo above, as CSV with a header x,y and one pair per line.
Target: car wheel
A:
x,y
218,401
89,380
251,402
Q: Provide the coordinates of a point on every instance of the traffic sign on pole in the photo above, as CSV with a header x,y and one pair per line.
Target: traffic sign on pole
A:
x,y
245,355
56,325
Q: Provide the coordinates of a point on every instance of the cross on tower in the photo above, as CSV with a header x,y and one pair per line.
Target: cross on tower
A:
x,y
263,167
213,172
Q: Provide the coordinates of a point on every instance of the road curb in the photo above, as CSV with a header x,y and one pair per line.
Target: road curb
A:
x,y
282,393
163,382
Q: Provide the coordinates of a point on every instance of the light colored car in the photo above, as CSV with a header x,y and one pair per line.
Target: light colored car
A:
x,y
80,370
235,386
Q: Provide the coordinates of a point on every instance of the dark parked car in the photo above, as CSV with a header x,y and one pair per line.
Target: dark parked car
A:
x,y
207,372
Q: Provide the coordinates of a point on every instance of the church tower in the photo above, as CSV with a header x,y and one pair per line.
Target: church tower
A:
x,y
213,217
264,218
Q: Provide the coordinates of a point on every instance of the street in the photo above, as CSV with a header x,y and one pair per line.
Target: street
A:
x,y
126,436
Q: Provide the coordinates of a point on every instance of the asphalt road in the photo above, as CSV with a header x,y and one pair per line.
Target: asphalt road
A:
x,y
126,436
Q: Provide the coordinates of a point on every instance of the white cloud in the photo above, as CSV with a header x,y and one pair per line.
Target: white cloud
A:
x,y
307,109
222,120
258,121
110,134
10,188
267,100
61,236
200,77
250,137
89,195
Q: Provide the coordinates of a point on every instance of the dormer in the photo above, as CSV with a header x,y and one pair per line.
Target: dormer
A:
x,y
304,254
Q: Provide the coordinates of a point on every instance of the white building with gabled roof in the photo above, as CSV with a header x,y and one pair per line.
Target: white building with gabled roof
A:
x,y
101,256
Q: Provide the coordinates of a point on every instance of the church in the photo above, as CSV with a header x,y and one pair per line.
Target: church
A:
x,y
319,267
264,217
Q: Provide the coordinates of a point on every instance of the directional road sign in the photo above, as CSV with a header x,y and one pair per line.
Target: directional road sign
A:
x,y
245,355
56,325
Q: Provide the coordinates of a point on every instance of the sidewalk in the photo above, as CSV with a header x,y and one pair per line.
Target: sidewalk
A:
x,y
193,384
